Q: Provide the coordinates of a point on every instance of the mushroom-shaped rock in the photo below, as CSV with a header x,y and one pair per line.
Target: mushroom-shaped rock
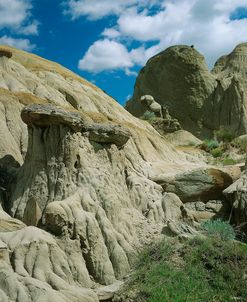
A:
x,y
150,104
155,107
46,115
109,134
147,100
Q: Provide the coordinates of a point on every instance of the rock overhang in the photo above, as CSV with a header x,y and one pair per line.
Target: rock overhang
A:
x,y
45,115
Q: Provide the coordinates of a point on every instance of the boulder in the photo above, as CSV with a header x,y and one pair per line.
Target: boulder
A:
x,y
32,214
211,209
201,100
108,134
150,104
237,196
183,138
8,224
147,100
200,184
240,142
165,126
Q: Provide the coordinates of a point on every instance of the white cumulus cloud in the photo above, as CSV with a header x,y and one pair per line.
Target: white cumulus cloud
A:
x,y
23,44
16,15
16,18
104,55
96,9
206,24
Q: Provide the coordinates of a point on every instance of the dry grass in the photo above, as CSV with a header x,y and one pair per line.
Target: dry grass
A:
x,y
24,98
28,98
35,63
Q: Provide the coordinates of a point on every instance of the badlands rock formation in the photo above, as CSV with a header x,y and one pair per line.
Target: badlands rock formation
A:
x,y
201,100
237,195
80,189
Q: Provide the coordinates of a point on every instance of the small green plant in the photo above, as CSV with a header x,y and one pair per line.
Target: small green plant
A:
x,y
219,229
209,144
224,135
217,152
229,161
148,115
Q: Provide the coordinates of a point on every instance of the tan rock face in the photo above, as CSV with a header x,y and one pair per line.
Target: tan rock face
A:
x,y
201,100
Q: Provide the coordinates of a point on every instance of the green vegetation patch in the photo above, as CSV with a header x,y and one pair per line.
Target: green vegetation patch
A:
x,y
148,115
209,145
224,135
198,270
217,152
219,229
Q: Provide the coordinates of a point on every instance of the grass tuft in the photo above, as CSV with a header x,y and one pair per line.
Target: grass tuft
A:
x,y
198,270
219,229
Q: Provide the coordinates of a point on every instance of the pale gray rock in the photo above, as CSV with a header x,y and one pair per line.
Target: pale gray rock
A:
x,y
199,184
108,134
183,138
237,196
201,100
179,220
47,115
105,293
150,104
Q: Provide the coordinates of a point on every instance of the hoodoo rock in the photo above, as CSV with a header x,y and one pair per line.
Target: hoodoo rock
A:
x,y
201,100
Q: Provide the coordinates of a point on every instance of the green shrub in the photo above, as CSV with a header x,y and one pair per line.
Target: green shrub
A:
x,y
224,135
219,229
209,144
217,152
229,161
148,115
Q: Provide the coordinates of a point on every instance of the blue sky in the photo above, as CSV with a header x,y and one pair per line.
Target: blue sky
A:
x,y
108,41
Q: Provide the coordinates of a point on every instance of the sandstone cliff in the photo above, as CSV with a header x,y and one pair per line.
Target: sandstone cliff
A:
x,y
201,100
